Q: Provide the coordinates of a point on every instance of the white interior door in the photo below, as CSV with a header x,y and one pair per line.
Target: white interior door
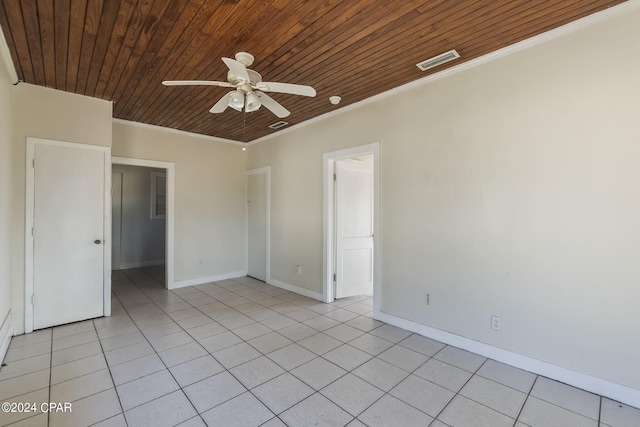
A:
x,y
116,219
354,228
257,220
68,245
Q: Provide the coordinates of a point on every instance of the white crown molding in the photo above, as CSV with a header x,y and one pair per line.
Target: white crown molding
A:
x,y
177,132
555,33
6,58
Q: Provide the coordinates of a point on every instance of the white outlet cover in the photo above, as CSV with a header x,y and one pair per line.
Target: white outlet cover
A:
x,y
496,323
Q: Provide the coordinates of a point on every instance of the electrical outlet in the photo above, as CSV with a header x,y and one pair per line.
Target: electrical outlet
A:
x,y
298,269
200,261
496,323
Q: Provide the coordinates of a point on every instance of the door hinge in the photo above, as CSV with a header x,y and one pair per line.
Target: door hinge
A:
x,y
33,231
334,176
33,299
334,277
33,162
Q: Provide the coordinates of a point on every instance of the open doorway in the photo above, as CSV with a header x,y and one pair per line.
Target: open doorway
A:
x,y
258,190
139,219
351,218
143,217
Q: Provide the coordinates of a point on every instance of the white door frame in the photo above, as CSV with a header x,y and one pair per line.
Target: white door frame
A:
x,y
329,159
29,222
266,170
114,249
170,219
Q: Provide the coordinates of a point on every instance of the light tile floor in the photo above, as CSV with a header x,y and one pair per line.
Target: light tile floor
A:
x,y
242,353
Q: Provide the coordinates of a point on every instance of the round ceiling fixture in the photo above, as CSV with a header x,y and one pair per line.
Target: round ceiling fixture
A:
x,y
335,100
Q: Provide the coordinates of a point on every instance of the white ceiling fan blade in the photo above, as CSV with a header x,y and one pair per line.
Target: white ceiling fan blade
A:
x,y
237,69
195,83
287,88
221,105
272,105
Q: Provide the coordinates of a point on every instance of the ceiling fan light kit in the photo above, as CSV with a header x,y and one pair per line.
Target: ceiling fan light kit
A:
x,y
236,100
248,87
253,103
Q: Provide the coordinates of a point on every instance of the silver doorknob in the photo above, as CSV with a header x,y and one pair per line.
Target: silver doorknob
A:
x,y
97,242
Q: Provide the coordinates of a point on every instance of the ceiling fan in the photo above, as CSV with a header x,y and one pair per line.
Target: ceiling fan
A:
x,y
248,87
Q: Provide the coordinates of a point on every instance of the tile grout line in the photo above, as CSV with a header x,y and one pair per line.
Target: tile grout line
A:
x,y
262,355
50,375
463,385
181,388
318,356
373,385
600,412
525,400
562,407
152,300
112,380
80,376
48,387
156,353
286,370
493,409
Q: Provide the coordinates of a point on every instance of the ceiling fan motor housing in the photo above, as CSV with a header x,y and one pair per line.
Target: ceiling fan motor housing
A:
x,y
254,77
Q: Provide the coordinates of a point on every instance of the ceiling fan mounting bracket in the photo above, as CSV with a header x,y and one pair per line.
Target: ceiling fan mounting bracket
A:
x,y
245,58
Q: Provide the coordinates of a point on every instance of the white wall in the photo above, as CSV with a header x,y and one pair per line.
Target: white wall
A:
x,y
5,204
511,188
51,114
142,238
209,198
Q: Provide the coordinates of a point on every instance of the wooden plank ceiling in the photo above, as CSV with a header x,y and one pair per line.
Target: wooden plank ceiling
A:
x,y
123,50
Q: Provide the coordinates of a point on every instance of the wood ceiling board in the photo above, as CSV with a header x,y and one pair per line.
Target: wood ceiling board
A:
x,y
17,43
122,50
176,54
194,56
61,18
154,58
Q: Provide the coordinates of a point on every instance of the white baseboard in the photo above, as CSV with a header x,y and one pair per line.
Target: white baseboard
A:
x,y
201,280
295,289
621,393
6,332
138,264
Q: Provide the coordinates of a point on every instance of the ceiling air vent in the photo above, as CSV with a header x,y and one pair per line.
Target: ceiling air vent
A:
x,y
438,60
278,125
